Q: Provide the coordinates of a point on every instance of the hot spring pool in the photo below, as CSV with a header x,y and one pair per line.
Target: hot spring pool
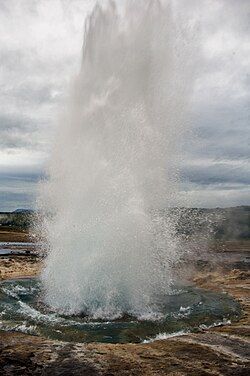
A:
x,y
187,310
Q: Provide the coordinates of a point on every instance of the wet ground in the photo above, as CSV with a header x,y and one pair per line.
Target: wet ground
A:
x,y
224,350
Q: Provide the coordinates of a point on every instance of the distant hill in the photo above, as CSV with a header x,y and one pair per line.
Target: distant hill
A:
x,y
23,211
220,223
18,219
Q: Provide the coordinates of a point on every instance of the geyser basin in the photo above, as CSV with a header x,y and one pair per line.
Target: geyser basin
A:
x,y
187,309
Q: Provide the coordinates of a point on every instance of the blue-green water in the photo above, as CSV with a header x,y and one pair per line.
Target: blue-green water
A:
x,y
186,309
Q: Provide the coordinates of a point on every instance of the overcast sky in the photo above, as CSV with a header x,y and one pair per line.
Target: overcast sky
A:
x,y
40,52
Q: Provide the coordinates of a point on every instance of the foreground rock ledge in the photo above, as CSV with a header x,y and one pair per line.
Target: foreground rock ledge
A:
x,y
194,354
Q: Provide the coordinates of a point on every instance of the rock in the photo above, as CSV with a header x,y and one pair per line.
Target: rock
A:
x,y
188,355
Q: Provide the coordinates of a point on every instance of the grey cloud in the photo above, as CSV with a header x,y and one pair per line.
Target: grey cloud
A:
x,y
16,132
222,132
17,175
35,94
238,12
218,173
17,190
11,123
11,201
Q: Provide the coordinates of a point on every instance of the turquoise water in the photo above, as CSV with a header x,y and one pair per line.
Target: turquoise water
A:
x,y
187,309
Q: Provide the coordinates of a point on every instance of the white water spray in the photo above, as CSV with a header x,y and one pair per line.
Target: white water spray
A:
x,y
115,160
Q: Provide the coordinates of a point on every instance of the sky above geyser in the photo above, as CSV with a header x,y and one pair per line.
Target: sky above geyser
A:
x,y
40,52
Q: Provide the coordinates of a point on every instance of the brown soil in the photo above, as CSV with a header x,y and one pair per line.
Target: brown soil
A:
x,y
8,234
17,266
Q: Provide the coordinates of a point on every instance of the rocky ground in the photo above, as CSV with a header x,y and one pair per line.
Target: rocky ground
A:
x,y
218,351
16,266
8,234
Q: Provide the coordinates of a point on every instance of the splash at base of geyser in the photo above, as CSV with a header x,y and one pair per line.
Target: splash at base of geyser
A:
x,y
187,310
114,160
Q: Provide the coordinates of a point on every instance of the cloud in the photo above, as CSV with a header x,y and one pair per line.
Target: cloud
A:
x,y
214,196
40,52
217,163
228,173
16,132
18,189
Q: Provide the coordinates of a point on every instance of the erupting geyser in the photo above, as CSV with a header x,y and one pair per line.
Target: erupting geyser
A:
x,y
115,161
